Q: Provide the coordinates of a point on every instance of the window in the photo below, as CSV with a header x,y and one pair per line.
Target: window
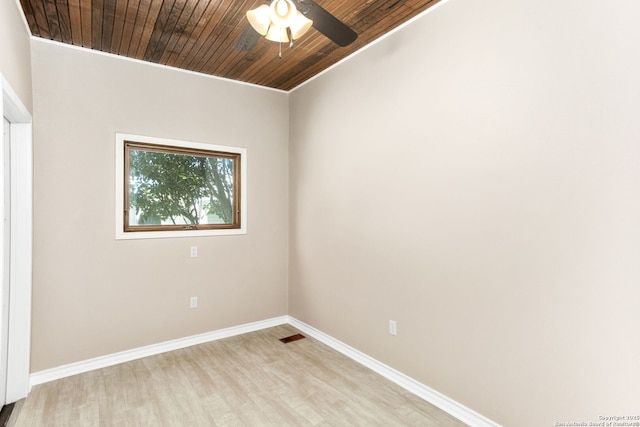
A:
x,y
174,188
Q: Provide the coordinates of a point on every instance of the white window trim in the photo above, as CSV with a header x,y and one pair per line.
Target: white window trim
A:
x,y
120,234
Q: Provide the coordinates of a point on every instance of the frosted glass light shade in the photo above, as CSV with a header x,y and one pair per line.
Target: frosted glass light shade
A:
x,y
282,12
300,25
277,34
259,19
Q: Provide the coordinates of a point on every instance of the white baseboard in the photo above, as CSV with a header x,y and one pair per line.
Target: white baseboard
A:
x,y
437,399
150,350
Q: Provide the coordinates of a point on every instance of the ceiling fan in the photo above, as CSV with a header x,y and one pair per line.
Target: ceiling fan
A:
x,y
287,20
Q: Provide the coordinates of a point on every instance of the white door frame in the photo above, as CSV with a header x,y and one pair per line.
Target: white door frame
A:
x,y
21,243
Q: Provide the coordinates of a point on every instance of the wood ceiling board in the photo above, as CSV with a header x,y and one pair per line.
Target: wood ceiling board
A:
x,y
128,27
75,22
33,16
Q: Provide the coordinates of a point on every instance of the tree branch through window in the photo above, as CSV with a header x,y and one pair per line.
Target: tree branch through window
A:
x,y
178,188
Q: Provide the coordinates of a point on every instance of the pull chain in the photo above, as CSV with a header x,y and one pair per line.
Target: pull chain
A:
x,y
290,36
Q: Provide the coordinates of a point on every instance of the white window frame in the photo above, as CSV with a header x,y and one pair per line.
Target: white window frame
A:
x,y
119,152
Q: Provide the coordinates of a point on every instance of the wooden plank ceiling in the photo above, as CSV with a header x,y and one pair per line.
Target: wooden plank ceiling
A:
x,y
199,35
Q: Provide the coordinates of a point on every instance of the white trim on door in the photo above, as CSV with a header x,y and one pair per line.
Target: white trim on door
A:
x,y
21,242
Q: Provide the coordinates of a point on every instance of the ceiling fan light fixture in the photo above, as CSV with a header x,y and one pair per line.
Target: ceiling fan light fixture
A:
x,y
282,13
300,25
260,19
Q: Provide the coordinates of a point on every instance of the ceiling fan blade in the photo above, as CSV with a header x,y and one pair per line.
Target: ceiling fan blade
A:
x,y
326,23
248,38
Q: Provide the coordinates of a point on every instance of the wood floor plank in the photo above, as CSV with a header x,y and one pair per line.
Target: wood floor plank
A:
x,y
248,380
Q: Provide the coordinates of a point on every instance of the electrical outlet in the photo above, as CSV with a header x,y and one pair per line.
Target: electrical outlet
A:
x,y
193,302
393,327
194,251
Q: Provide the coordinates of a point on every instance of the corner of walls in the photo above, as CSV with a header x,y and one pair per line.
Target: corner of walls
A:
x,y
15,61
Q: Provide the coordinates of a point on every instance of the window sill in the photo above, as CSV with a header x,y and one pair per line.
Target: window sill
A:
x,y
133,235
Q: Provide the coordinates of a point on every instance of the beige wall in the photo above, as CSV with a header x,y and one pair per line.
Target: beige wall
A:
x,y
475,178
15,59
93,295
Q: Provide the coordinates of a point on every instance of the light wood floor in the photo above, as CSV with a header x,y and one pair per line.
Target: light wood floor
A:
x,y
248,380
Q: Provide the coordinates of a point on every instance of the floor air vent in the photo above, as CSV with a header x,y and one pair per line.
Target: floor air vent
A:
x,y
292,338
